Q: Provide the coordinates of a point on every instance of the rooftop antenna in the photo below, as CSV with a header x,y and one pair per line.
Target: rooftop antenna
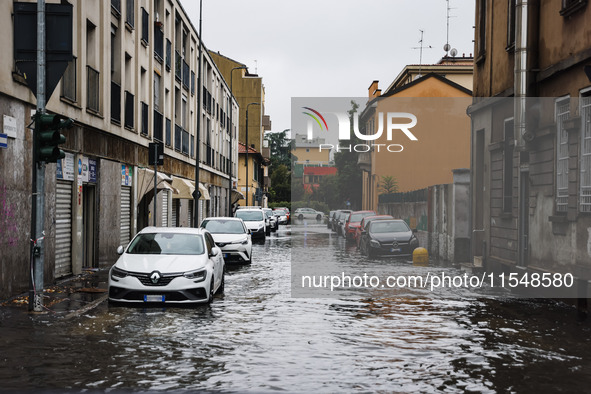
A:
x,y
256,67
421,52
447,47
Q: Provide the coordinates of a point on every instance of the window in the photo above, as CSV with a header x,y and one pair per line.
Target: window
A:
x,y
145,26
562,114
116,6
585,193
511,25
508,145
157,95
168,132
130,13
69,81
570,7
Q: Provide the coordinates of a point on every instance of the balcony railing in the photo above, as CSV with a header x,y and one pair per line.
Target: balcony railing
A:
x,y
144,119
168,141
129,110
158,126
115,102
178,131
168,54
186,74
159,44
93,89
178,65
185,142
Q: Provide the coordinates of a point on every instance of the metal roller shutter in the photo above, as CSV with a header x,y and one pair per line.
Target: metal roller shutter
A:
x,y
165,208
125,227
63,229
175,212
190,218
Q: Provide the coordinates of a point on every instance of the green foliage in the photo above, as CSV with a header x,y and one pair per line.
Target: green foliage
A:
x,y
282,204
280,189
388,185
280,169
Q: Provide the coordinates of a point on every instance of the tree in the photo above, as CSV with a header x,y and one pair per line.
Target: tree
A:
x,y
388,185
280,189
280,147
349,179
280,168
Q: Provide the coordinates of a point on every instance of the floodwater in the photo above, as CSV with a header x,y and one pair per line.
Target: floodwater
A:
x,y
257,337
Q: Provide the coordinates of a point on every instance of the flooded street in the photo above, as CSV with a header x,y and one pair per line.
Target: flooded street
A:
x,y
256,337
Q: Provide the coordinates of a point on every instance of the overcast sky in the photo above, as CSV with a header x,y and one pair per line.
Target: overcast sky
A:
x,y
329,48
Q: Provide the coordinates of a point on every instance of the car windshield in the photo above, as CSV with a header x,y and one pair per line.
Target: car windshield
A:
x,y
356,217
223,226
269,214
167,243
380,226
250,216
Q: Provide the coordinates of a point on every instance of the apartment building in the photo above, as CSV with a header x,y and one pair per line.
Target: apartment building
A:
x,y
133,80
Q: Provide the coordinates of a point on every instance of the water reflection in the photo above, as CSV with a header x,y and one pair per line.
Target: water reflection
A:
x,y
256,337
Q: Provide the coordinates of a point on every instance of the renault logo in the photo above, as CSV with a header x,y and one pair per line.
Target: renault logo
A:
x,y
155,276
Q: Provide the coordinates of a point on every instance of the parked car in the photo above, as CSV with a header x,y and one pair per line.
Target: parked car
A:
x,y
308,213
282,215
334,220
168,265
255,219
273,223
329,219
267,219
342,221
353,222
388,237
287,212
364,222
339,221
232,236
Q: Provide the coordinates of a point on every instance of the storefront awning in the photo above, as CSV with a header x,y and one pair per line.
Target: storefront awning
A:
x,y
237,196
145,182
185,188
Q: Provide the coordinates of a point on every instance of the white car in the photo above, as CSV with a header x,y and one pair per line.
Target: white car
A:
x,y
232,236
255,220
308,213
273,222
168,265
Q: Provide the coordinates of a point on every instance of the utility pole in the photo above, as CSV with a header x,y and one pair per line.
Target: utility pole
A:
x,y
197,192
38,189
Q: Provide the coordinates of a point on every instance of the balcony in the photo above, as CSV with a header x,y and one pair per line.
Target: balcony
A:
x,y
115,102
129,110
159,44
93,89
158,125
144,119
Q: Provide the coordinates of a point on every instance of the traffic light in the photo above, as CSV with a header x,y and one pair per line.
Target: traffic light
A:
x,y
48,137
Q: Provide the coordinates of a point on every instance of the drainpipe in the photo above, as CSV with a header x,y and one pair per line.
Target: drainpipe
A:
x,y
521,83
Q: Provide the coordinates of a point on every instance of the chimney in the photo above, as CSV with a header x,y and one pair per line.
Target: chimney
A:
x,y
373,90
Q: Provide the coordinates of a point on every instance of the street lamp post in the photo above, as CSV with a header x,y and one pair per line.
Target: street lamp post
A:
x,y
247,179
230,150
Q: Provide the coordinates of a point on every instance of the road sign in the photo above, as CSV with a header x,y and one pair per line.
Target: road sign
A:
x,y
3,141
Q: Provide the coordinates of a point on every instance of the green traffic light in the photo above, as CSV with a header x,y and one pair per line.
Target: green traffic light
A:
x,y
47,137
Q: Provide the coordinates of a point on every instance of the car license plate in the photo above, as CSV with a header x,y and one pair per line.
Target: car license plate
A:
x,y
226,255
154,298
395,250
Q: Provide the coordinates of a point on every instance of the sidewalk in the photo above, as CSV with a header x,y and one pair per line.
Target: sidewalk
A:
x,y
70,297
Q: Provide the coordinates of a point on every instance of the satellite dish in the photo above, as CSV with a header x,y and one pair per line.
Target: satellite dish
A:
x,y
453,52
446,47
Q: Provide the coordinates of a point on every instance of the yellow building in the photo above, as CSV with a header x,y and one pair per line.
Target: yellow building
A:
x,y
307,152
252,191
442,132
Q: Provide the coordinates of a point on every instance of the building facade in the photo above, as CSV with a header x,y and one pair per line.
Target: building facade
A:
x,y
251,177
442,131
531,137
133,80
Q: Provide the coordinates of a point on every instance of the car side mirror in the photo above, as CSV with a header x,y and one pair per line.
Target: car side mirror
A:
x,y
120,250
215,251
414,231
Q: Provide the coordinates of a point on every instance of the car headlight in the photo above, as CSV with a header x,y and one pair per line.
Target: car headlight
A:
x,y
374,244
118,273
196,276
414,241
245,242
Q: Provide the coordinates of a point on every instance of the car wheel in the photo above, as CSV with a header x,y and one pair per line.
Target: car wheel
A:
x,y
318,218
223,284
301,217
211,291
